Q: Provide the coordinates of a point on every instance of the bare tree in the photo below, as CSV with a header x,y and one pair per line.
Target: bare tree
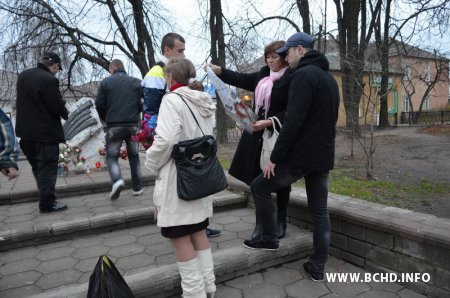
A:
x,y
382,44
89,30
415,78
303,9
355,31
218,58
435,14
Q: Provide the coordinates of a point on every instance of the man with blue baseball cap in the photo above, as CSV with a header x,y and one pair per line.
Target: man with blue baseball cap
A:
x,y
298,39
304,149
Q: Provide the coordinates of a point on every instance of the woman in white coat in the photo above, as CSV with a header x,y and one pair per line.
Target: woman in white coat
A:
x,y
183,222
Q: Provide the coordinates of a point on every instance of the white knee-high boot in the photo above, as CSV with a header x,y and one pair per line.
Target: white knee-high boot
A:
x,y
191,279
207,267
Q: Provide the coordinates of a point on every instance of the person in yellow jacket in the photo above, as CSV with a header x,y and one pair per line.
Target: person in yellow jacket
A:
x,y
154,82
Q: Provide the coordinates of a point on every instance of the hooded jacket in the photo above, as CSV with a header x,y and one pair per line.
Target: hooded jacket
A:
x,y
40,106
307,138
176,124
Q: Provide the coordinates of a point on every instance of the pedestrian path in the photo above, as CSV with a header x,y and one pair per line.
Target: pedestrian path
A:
x,y
65,266
59,251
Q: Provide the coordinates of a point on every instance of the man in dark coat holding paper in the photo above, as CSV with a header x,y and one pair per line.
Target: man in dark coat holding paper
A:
x,y
304,149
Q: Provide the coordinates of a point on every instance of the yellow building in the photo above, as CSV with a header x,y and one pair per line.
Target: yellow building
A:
x,y
425,79
414,74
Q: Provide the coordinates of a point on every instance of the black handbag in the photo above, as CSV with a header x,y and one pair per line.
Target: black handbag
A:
x,y
199,173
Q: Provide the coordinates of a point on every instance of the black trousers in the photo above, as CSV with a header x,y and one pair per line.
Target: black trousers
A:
x,y
317,195
43,158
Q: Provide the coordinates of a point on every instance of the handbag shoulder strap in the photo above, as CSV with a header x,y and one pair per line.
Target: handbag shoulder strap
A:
x,y
192,113
275,119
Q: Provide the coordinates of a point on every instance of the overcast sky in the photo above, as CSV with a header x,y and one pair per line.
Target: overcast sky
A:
x,y
187,19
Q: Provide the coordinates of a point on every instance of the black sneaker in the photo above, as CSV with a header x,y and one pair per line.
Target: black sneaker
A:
x,y
317,277
261,244
57,206
211,233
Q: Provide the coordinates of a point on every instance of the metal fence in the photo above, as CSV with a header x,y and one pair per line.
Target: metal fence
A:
x,y
425,117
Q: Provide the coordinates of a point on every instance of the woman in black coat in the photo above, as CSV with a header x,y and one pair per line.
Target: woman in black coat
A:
x,y
271,86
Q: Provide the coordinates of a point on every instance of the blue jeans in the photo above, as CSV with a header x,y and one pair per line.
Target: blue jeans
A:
x,y
114,138
317,195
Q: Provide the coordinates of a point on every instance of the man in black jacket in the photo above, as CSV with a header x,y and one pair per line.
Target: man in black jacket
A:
x,y
305,148
119,105
40,108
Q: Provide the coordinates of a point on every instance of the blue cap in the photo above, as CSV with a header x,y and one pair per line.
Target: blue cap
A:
x,y
297,39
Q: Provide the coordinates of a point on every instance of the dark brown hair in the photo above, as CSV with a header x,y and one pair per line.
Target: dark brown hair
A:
x,y
272,47
182,70
169,40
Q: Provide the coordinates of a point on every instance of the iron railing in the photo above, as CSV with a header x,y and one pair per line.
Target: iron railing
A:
x,y
425,117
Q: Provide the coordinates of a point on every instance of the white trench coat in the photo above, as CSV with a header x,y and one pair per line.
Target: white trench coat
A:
x,y
175,124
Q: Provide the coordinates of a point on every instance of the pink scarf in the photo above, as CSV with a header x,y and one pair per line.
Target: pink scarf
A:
x,y
264,90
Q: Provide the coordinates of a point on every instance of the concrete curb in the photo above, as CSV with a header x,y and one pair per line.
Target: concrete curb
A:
x,y
229,263
68,190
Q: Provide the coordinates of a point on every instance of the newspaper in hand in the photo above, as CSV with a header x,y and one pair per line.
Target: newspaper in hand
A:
x,y
234,107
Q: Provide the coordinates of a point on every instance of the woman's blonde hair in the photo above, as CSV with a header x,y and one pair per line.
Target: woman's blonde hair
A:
x,y
183,71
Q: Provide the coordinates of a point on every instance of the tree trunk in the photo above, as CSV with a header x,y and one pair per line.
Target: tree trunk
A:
x,y
384,61
303,8
218,58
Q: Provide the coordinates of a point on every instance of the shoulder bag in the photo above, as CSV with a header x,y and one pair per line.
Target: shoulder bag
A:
x,y
199,173
269,138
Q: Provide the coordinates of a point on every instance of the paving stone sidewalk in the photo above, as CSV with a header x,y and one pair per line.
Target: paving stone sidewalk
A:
x,y
34,269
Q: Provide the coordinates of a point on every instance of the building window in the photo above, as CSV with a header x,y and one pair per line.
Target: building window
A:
x,y
426,103
406,103
407,75
426,73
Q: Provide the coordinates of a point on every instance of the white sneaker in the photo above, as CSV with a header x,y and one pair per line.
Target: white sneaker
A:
x,y
138,192
116,189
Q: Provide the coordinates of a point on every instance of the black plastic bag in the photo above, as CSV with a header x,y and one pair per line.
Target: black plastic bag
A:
x,y
106,281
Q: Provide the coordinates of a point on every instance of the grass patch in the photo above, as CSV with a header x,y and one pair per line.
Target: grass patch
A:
x,y
348,182
351,181
225,162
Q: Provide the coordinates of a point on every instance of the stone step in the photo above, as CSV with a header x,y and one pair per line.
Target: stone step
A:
x,y
22,224
74,185
143,256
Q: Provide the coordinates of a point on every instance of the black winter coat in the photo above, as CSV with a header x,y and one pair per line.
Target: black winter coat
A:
x,y
40,106
307,139
245,164
118,100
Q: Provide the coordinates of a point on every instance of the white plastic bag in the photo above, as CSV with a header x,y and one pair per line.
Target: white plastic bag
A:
x,y
269,138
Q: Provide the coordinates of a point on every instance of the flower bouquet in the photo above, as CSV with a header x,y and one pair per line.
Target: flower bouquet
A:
x,y
69,154
146,134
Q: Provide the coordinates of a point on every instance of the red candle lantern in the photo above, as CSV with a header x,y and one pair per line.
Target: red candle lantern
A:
x,y
97,164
